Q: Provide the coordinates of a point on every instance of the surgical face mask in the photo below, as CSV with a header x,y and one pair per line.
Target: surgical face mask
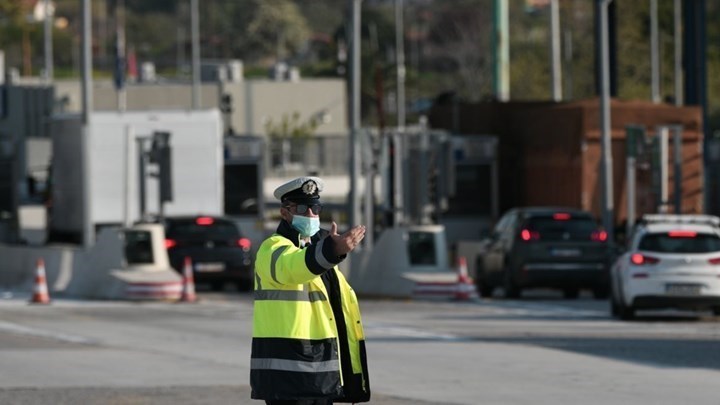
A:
x,y
305,225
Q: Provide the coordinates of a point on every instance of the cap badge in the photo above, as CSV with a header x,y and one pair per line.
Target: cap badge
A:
x,y
309,187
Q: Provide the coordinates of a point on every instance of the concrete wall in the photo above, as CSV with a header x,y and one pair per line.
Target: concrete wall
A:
x,y
254,102
70,270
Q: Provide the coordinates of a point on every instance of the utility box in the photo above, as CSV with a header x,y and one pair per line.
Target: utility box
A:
x,y
114,178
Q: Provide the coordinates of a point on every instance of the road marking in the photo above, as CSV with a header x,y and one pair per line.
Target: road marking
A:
x,y
530,308
379,330
27,331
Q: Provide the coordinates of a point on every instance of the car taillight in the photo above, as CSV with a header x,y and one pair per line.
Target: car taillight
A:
x,y
715,260
561,216
528,235
244,243
170,243
204,221
599,236
682,234
639,259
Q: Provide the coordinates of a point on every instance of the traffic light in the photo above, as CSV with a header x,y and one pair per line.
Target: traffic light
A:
x,y
160,154
226,104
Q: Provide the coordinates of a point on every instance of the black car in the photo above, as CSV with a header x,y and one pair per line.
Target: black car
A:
x,y
545,247
217,248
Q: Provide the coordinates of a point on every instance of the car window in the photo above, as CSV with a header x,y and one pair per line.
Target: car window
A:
x,y
502,224
509,232
421,248
192,230
665,243
550,228
138,247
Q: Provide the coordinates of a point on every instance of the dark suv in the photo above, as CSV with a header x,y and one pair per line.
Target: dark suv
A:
x,y
545,247
218,250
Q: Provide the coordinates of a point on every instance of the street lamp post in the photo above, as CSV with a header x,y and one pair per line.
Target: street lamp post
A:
x,y
48,17
606,138
87,105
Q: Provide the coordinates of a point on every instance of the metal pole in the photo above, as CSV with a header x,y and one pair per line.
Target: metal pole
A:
x,y
87,105
355,114
398,179
400,60
48,76
633,137
398,147
663,163
369,190
677,28
141,176
568,49
654,52
195,27
677,169
607,161
555,50
495,184
129,135
121,54
631,198
501,48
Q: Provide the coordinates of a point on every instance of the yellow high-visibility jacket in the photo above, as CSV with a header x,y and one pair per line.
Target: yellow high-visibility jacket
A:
x,y
308,340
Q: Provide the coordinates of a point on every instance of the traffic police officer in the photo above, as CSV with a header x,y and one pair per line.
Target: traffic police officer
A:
x,y
308,342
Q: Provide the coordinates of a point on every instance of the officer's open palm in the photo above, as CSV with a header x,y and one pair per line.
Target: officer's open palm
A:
x,y
346,242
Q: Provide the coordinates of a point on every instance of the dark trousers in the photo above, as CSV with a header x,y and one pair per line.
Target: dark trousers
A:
x,y
301,402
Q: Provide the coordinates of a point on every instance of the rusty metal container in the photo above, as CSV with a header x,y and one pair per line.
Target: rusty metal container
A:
x,y
550,153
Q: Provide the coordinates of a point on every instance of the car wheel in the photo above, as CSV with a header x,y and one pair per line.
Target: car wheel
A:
x,y
571,293
614,307
600,293
245,285
481,282
511,288
716,311
625,312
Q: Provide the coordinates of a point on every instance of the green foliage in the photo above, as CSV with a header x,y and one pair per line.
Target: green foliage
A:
x,y
447,43
290,126
147,34
277,25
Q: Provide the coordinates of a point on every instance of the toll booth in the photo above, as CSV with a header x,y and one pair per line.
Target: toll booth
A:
x,y
146,271
24,113
243,176
407,262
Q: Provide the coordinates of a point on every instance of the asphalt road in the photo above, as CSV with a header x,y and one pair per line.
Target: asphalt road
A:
x,y
538,350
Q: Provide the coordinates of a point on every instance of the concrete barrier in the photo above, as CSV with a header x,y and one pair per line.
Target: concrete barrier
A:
x,y
73,271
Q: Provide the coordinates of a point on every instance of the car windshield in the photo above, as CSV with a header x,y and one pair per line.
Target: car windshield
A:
x,y
550,228
666,243
191,230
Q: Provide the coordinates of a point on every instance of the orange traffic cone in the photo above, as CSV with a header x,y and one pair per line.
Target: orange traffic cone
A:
x,y
465,289
188,283
40,290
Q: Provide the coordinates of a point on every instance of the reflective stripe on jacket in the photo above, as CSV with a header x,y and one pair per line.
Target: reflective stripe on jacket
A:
x,y
297,349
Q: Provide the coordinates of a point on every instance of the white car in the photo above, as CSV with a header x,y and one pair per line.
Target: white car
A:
x,y
672,261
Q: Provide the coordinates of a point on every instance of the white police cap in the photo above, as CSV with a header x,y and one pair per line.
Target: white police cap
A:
x,y
301,188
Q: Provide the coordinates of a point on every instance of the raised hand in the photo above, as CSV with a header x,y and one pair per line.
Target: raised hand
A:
x,y
346,242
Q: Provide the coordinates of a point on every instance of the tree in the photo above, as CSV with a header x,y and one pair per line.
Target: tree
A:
x,y
460,34
276,26
289,129
15,25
